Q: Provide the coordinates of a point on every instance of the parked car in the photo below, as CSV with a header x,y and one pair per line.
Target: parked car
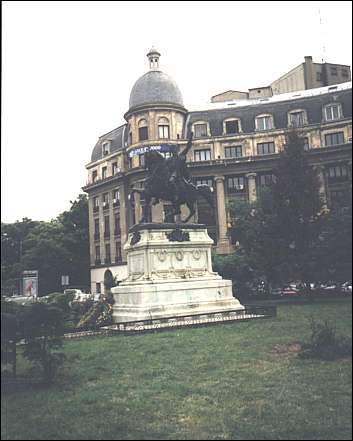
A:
x,y
290,292
79,295
346,287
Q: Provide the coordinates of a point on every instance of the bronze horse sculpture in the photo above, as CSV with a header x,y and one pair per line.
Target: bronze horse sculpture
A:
x,y
168,180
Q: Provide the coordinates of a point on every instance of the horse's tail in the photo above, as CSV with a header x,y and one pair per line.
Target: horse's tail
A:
x,y
207,193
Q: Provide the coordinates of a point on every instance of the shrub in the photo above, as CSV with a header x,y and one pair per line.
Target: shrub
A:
x,y
324,342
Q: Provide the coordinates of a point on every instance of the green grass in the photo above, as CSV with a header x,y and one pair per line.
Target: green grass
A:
x,y
221,382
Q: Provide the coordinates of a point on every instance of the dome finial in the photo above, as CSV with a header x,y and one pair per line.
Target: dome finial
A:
x,y
153,56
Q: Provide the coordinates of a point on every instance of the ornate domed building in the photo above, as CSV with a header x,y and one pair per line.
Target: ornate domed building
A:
x,y
237,138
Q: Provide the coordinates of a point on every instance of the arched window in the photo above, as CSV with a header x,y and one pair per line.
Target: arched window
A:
x,y
264,122
163,128
143,130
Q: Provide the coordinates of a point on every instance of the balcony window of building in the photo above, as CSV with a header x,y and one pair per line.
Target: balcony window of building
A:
x,y
143,130
116,198
118,256
200,130
204,181
104,172
337,172
266,180
264,122
202,155
98,288
107,253
334,71
95,203
163,128
265,148
297,118
96,228
333,112
98,254
235,151
231,127
235,184
115,168
334,139
105,200
94,176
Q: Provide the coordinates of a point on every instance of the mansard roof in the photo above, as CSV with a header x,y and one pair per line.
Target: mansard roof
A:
x,y
117,139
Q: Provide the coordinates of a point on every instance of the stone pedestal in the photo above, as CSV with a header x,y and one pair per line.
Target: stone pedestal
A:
x,y
170,274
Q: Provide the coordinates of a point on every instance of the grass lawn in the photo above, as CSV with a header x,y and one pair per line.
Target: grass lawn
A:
x,y
220,382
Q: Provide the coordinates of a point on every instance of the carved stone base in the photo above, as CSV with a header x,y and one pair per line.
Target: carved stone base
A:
x,y
170,274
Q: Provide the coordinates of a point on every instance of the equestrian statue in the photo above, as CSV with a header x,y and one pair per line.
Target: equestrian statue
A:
x,y
168,179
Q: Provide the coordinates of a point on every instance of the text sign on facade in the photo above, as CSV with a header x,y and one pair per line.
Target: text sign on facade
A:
x,y
155,147
30,283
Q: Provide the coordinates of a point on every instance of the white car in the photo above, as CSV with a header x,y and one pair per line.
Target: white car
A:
x,y
79,295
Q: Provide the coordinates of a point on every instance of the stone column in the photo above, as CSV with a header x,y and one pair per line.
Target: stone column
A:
x,y
252,194
91,230
111,228
123,218
322,186
223,244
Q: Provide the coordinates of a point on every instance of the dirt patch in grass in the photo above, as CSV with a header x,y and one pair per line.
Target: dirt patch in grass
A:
x,y
286,350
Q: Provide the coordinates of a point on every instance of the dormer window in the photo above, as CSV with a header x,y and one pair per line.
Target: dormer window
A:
x,y
231,126
163,128
106,148
200,130
297,118
333,112
143,130
264,122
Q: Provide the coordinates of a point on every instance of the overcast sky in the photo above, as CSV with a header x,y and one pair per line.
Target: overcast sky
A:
x,y
68,69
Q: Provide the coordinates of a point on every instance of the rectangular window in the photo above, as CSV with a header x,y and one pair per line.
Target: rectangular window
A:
x,y
104,172
338,171
318,76
235,183
118,256
114,168
96,228
105,148
105,200
116,197
297,119
264,123
98,288
204,181
233,151
332,112
117,224
107,253
143,133
95,203
334,71
265,148
334,139
306,144
98,254
266,180
200,130
345,73
106,226
94,176
202,155
130,138
142,160
232,127
163,132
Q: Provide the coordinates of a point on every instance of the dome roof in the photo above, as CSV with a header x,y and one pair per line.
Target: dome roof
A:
x,y
155,87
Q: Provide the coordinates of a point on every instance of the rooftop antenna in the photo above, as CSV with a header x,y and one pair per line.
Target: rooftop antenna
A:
x,y
322,35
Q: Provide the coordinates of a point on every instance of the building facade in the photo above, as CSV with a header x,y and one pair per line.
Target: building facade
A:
x,y
235,149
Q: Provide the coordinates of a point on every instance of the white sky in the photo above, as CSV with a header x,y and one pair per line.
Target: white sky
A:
x,y
68,69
